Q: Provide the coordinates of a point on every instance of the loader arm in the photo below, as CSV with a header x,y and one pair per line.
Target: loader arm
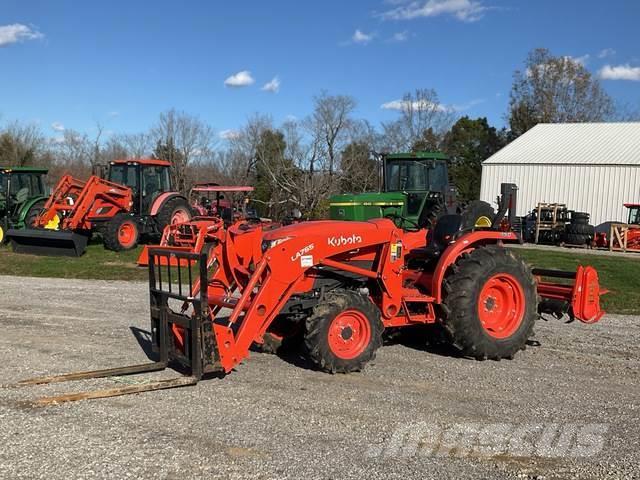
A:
x,y
77,203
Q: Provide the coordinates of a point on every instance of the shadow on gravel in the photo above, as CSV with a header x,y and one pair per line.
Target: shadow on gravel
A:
x,y
144,340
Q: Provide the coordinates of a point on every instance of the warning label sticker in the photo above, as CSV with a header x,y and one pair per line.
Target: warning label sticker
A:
x,y
306,261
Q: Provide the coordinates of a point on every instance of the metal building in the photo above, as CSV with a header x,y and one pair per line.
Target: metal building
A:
x,y
591,167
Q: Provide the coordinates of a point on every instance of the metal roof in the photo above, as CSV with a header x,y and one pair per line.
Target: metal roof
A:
x,y
574,143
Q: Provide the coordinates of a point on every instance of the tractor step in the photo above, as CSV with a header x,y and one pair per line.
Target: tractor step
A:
x,y
40,241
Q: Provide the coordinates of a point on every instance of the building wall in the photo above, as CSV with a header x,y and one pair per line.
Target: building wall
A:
x,y
600,190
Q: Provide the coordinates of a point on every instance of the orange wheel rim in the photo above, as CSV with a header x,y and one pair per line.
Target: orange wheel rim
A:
x,y
349,334
127,234
501,305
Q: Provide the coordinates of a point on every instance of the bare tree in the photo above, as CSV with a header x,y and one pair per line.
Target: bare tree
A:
x,y
138,145
555,90
188,135
21,144
420,112
328,124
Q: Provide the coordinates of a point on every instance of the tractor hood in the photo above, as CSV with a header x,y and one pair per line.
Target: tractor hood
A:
x,y
363,206
337,231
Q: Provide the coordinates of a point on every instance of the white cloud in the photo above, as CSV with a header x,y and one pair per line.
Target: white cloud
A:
x,y
240,79
400,36
463,10
424,105
361,38
620,72
606,52
17,32
416,105
57,126
273,86
229,134
114,113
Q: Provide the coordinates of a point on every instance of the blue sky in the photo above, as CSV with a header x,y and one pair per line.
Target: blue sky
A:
x,y
71,63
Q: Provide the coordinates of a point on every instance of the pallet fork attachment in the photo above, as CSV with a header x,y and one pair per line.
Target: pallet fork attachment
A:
x,y
195,351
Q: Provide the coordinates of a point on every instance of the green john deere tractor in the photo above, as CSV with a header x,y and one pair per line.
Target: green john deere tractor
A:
x,y
22,196
415,192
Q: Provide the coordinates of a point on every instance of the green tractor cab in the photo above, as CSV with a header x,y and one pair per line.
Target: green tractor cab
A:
x,y
415,192
22,196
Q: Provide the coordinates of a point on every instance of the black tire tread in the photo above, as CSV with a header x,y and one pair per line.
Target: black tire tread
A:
x,y
474,210
460,289
316,330
110,232
33,213
163,218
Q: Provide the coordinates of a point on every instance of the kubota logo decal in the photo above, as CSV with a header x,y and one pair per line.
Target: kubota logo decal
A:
x,y
302,251
342,240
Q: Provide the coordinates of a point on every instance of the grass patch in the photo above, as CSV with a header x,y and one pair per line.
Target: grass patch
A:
x,y
618,274
97,263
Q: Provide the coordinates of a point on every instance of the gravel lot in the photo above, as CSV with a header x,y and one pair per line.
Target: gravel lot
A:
x,y
274,419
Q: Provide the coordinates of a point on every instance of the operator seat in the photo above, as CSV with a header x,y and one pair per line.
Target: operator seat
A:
x,y
447,229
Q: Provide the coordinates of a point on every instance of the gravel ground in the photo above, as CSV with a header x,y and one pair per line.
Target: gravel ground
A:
x,y
410,414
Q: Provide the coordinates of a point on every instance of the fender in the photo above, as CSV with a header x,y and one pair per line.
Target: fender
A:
x,y
161,200
465,242
22,215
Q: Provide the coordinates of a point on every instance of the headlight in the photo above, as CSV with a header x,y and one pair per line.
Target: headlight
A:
x,y
267,244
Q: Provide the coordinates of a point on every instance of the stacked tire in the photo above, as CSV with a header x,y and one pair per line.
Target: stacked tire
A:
x,y
578,231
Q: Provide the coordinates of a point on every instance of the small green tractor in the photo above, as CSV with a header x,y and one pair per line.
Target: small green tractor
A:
x,y
22,196
415,191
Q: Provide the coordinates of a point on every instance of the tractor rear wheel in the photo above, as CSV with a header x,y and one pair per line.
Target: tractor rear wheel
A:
x,y
343,332
490,303
33,212
477,214
121,233
175,210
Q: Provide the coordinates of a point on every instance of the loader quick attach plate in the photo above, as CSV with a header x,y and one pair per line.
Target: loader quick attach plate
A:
x,y
40,241
178,281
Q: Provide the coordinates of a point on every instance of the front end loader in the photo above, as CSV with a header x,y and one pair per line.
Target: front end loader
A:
x,y
331,289
135,202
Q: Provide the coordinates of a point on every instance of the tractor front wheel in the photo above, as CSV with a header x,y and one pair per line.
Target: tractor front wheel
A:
x,y
121,233
490,303
343,332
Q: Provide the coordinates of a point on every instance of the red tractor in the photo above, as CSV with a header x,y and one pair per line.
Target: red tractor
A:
x,y
135,201
215,208
332,288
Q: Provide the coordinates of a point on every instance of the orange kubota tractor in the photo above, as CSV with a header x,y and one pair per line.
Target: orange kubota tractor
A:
x,y
135,201
333,287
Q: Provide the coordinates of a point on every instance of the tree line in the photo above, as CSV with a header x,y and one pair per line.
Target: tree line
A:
x,y
298,164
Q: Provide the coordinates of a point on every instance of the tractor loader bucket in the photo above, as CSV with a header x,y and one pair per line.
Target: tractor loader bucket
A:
x,y
38,241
